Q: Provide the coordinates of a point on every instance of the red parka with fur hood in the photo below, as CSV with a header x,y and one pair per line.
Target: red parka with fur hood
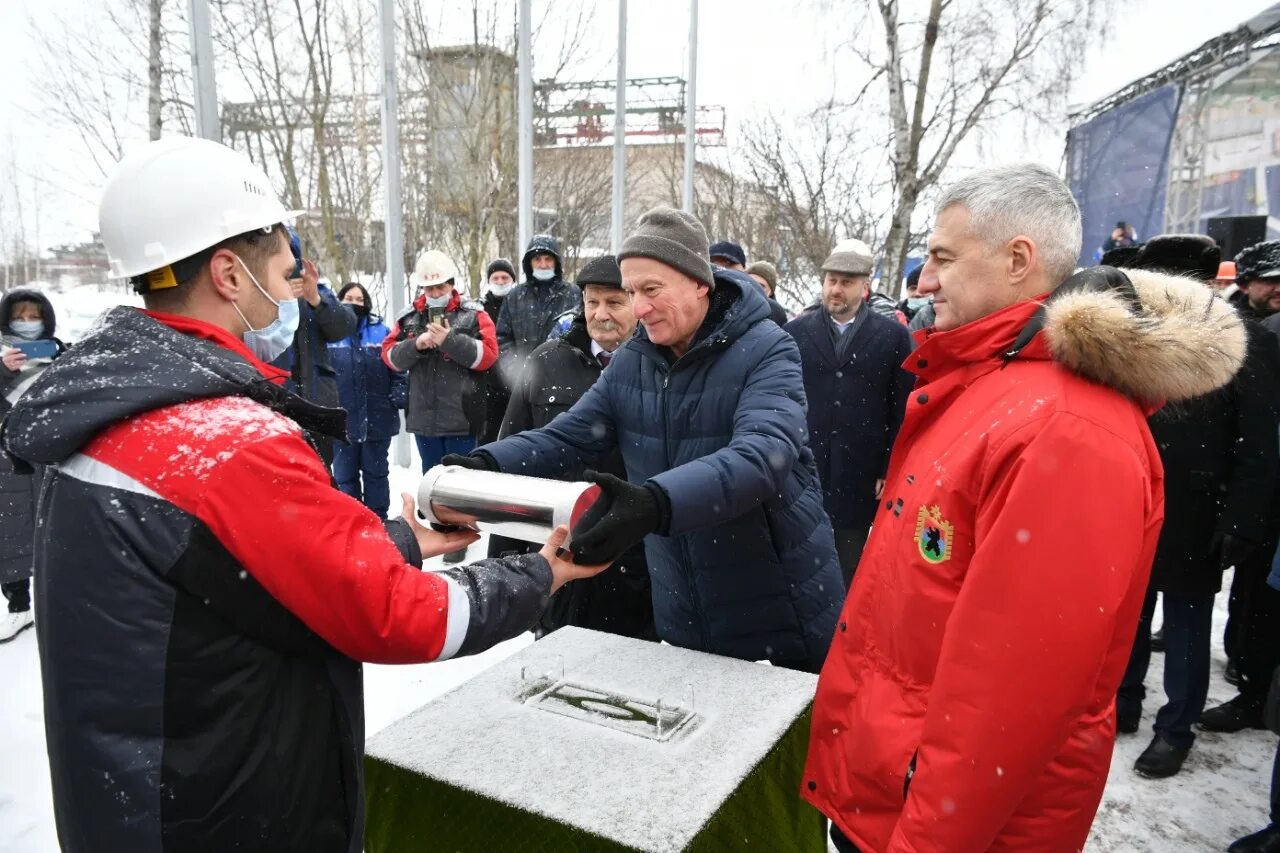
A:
x,y
967,702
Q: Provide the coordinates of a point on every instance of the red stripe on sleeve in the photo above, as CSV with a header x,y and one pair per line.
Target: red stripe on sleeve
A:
x,y
489,338
247,473
387,343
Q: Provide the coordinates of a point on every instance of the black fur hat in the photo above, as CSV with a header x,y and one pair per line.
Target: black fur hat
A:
x,y
1261,260
1193,255
1120,256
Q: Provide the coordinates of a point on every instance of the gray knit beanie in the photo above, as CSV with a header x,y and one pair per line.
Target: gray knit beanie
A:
x,y
766,271
673,237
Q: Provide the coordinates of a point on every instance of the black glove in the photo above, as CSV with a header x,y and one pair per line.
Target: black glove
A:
x,y
1233,551
475,461
622,516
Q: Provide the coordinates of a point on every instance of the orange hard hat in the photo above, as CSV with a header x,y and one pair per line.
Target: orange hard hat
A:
x,y
1227,271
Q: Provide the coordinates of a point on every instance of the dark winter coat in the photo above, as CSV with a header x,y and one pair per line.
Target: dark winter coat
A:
x,y
307,360
1220,461
1272,324
886,307
371,393
1240,301
856,399
923,319
618,600
777,313
496,391
746,566
17,489
530,310
446,394
203,595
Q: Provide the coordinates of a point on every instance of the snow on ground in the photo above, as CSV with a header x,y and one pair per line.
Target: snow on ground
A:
x,y
1220,795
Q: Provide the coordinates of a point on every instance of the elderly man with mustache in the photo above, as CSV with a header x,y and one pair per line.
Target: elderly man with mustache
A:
x,y
559,373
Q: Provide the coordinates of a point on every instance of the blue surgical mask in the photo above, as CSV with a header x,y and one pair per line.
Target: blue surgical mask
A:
x,y
268,342
28,330
439,301
915,303
544,275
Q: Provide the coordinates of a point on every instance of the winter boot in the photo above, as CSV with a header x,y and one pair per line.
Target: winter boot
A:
x,y
1233,715
1160,760
13,624
1264,841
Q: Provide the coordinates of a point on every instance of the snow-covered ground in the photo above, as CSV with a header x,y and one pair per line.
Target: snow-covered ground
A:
x,y
1220,795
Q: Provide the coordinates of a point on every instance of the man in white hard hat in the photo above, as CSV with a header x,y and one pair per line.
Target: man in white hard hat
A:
x,y
445,342
203,594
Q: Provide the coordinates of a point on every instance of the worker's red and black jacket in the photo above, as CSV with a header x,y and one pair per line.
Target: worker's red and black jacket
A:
x,y
204,596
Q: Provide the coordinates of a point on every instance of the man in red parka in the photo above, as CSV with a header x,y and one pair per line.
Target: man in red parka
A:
x,y
967,700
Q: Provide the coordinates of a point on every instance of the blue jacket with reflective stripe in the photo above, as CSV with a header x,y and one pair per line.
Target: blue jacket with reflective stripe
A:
x,y
369,390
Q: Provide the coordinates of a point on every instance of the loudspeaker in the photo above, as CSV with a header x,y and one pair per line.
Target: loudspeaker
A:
x,y
1234,234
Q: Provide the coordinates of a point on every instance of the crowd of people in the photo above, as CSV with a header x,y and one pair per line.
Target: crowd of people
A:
x,y
860,490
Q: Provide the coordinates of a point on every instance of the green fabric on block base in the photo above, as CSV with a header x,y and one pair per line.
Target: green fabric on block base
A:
x,y
407,812
773,789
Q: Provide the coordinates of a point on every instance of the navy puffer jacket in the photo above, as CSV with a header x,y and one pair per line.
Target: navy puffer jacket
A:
x,y
370,391
747,567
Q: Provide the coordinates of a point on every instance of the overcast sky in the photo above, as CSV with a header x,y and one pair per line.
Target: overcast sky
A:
x,y
754,57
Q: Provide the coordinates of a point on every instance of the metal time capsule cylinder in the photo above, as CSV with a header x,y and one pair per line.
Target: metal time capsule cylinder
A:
x,y
526,508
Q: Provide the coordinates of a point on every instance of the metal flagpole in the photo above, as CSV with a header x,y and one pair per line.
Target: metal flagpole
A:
x,y
203,82
525,135
691,107
394,218
620,131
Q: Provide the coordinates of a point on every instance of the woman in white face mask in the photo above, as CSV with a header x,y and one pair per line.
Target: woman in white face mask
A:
x,y
27,347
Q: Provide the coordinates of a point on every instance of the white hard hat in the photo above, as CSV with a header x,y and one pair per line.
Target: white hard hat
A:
x,y
433,267
177,196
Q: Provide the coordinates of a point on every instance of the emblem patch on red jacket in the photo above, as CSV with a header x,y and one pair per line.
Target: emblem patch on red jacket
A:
x,y
934,535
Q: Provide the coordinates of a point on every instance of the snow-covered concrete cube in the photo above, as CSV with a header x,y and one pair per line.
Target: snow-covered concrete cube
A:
x,y
589,741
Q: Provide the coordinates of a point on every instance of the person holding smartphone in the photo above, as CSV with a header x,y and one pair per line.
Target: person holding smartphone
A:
x,y
27,347
445,342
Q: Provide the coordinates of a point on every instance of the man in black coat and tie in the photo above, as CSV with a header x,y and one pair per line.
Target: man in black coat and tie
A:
x,y
857,390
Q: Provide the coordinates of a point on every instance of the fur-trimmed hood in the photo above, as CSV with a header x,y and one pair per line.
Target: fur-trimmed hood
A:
x,y
1181,339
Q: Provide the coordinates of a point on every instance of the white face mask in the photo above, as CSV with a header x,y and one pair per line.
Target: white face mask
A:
x,y
28,330
544,275
501,289
268,342
439,301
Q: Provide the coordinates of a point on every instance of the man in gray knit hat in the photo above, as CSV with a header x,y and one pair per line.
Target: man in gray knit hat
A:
x,y
706,404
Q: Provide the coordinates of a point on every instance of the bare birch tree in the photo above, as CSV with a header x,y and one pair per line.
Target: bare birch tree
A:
x,y
819,175
96,68
965,67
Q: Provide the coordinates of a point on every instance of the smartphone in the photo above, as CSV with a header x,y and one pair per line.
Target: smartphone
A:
x,y
436,316
38,349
